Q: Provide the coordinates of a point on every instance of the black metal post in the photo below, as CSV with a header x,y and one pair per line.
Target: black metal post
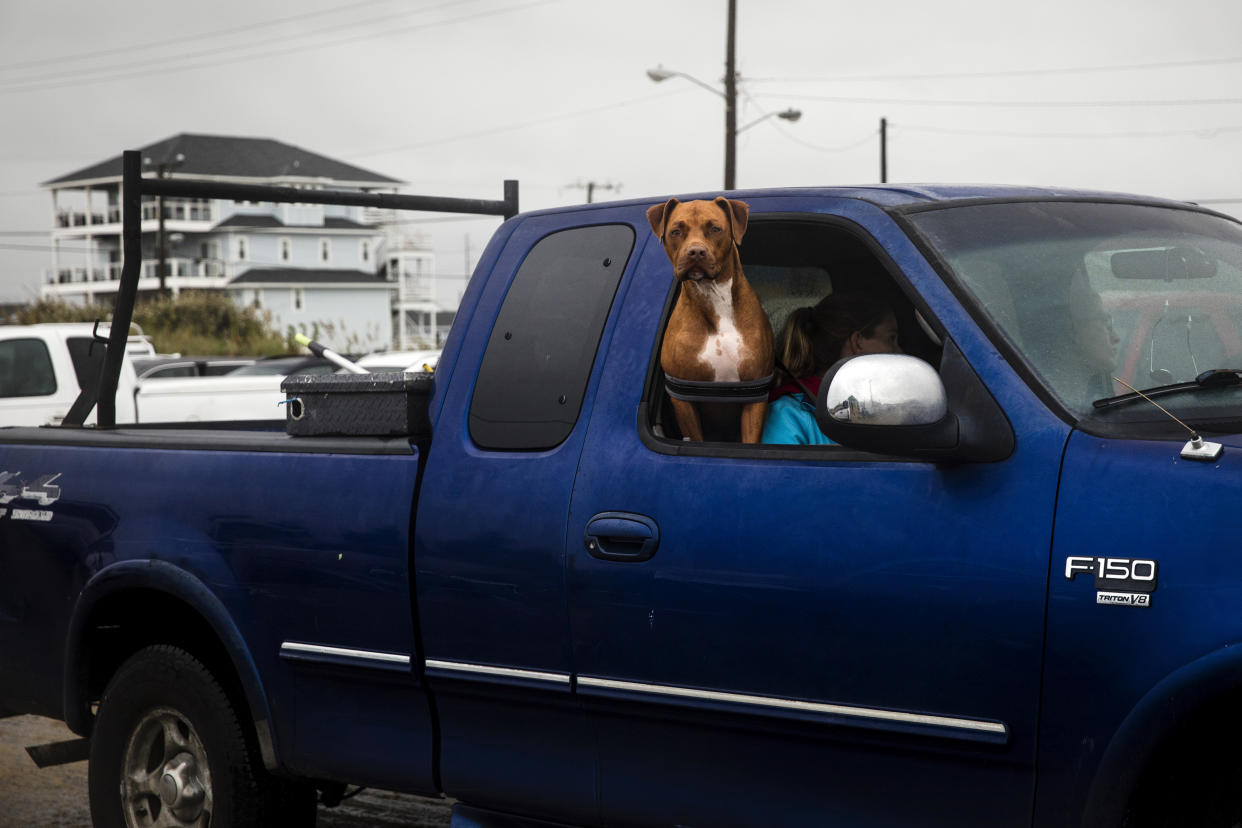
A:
x,y
123,313
510,204
730,83
884,150
508,207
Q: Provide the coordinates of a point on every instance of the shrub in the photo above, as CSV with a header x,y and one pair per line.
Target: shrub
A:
x,y
201,323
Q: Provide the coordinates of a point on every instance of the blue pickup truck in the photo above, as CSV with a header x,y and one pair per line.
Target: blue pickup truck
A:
x,y
1006,596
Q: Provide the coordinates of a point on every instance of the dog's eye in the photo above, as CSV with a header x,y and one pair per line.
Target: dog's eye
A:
x,y
675,232
714,228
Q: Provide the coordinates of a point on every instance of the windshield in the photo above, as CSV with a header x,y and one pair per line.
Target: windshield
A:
x,y
1086,292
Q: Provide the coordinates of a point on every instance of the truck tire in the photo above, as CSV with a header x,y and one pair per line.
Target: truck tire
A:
x,y
168,749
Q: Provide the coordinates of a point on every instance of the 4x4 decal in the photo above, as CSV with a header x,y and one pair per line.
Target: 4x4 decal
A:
x,y
40,490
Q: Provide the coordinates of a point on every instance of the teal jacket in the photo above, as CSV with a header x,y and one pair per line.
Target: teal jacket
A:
x,y
791,420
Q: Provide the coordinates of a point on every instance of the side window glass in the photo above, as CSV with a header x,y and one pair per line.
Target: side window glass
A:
x,y
87,361
26,369
794,264
535,370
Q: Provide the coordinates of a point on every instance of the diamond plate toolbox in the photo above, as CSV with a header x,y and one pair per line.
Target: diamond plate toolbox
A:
x,y
374,405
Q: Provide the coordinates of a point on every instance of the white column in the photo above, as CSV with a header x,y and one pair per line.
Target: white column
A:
x,y
55,236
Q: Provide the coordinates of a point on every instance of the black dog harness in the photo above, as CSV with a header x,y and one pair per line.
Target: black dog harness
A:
x,y
710,391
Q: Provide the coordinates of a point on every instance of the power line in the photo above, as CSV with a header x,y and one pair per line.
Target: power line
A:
x,y
1007,73
247,28
88,72
565,116
866,139
44,248
1203,132
92,78
1008,104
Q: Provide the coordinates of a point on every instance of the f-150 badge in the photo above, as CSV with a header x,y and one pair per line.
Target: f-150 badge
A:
x,y
40,490
1125,582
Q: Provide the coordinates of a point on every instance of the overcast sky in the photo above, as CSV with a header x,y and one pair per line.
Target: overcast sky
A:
x,y
453,96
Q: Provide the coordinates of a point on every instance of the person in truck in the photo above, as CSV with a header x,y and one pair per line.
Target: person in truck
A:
x,y
840,325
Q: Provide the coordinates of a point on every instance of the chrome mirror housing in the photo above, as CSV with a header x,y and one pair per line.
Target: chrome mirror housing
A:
x,y
884,390
897,404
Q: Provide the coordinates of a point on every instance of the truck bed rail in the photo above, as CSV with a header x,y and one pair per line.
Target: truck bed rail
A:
x,y
134,187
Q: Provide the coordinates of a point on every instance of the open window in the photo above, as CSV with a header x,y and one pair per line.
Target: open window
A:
x,y
794,261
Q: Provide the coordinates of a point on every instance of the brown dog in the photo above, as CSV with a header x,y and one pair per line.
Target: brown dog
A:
x,y
718,332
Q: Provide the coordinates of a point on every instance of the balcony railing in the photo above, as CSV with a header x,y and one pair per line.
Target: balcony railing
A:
x,y
177,268
75,218
179,209
175,209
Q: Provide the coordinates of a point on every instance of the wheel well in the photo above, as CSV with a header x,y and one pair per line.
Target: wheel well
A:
x,y
1191,776
124,622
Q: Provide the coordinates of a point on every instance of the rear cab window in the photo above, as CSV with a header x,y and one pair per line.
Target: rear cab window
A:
x,y
534,374
26,369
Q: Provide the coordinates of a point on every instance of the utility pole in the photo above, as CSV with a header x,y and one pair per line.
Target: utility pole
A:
x,y
162,170
730,85
884,150
592,186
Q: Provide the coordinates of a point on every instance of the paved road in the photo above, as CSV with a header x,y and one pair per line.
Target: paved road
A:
x,y
56,797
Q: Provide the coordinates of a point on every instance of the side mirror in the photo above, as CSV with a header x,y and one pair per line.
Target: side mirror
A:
x,y
898,404
884,389
890,403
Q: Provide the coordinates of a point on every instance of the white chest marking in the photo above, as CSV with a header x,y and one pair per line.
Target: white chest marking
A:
x,y
724,349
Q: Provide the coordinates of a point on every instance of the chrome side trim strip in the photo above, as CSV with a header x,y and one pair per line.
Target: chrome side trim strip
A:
x,y
295,647
502,672
850,711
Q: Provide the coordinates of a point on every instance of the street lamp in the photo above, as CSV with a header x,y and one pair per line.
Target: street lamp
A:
x,y
660,74
790,115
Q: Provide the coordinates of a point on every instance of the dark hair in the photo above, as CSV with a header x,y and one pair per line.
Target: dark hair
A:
x,y
811,341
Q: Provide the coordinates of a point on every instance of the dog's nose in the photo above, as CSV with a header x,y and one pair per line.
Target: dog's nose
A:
x,y
696,251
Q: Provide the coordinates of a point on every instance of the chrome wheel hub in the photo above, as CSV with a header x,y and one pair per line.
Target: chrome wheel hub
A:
x,y
167,781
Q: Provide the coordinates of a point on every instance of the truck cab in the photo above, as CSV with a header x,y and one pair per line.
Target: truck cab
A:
x,y
44,367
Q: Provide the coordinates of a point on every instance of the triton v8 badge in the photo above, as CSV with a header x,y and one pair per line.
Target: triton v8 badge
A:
x,y
1127,582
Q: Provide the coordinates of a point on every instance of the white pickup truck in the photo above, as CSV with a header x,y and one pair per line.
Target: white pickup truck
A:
x,y
43,368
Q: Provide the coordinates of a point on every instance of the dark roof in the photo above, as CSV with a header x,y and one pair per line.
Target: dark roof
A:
x,y
261,158
306,276
344,224
329,222
250,221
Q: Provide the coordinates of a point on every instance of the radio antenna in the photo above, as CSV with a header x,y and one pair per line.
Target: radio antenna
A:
x,y
1197,448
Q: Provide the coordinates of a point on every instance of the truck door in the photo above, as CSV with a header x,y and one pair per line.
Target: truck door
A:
x,y
490,539
813,632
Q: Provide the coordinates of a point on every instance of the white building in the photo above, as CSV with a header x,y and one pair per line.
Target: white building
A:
x,y
322,269
421,310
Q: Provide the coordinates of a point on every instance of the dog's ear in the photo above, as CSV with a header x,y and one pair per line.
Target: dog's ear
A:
x,y
738,212
658,216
